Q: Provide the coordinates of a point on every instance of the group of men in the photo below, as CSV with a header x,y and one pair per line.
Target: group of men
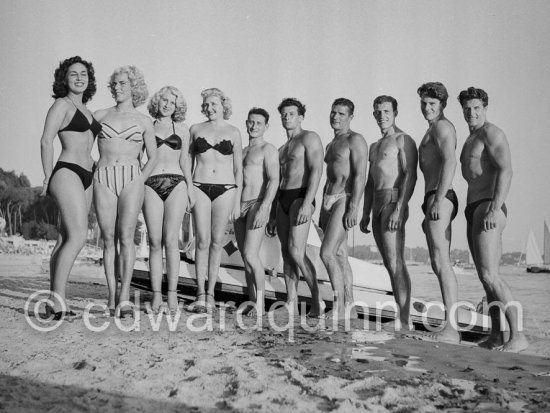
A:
x,y
279,195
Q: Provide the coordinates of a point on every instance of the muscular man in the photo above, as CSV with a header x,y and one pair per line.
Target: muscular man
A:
x,y
390,184
260,183
487,167
346,159
438,163
301,165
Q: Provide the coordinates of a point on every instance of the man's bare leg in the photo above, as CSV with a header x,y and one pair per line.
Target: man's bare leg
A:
x,y
290,271
297,241
438,236
335,235
488,247
349,301
391,246
252,244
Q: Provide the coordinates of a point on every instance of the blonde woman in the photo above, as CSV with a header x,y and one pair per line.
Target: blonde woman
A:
x,y
168,191
119,179
217,154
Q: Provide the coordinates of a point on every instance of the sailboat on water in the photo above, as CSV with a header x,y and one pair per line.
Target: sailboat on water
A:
x,y
537,262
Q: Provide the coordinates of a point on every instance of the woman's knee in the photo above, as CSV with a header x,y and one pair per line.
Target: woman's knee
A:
x,y
155,243
251,259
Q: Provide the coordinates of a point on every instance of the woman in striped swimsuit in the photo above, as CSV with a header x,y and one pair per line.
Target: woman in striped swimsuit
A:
x,y
118,189
167,191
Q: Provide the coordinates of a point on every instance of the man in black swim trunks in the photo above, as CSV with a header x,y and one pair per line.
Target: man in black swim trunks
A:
x,y
301,166
438,163
486,166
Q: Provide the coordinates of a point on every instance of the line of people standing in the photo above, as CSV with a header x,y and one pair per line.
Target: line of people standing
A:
x,y
282,201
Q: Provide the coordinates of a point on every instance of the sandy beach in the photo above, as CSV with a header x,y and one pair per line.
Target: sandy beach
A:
x,y
142,365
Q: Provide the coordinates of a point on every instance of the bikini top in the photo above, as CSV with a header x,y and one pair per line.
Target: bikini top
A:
x,y
79,123
224,147
173,141
131,134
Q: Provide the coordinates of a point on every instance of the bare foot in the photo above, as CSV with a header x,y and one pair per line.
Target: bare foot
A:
x,y
288,309
447,335
398,326
492,342
156,302
515,345
172,301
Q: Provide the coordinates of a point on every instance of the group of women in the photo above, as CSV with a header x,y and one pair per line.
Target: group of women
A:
x,y
120,183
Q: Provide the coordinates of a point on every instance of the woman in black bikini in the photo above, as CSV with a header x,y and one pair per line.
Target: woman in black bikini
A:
x,y
167,191
217,153
119,179
70,181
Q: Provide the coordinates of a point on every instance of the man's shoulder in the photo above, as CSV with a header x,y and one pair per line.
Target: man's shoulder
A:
x,y
309,135
443,127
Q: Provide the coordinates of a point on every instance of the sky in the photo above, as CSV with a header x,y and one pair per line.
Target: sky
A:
x,y
260,52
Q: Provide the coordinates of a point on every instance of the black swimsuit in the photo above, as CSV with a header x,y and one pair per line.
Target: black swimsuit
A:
x,y
79,123
288,196
225,147
164,184
470,210
450,195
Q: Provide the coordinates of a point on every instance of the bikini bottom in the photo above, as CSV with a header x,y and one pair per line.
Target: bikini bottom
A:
x,y
288,196
450,195
116,177
86,177
164,184
213,191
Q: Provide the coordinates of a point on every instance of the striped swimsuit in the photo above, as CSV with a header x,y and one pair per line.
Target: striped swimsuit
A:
x,y
116,177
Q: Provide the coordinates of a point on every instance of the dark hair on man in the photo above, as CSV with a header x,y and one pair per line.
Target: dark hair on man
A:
x,y
473,93
292,102
434,90
60,89
259,111
385,98
345,102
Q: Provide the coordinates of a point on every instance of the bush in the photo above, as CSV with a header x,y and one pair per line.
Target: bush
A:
x,y
39,230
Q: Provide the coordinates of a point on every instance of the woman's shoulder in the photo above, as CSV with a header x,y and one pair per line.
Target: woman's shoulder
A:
x,y
100,114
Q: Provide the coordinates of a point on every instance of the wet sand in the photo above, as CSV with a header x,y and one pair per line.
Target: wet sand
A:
x,y
140,367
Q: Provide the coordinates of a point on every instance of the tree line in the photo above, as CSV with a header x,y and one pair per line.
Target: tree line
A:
x,y
25,211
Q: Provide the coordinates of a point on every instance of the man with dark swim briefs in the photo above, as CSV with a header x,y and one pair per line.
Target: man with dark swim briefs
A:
x,y
346,158
301,166
487,168
260,183
390,184
438,163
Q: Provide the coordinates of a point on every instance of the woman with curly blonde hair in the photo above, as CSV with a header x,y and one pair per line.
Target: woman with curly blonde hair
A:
x,y
119,179
216,150
168,192
70,181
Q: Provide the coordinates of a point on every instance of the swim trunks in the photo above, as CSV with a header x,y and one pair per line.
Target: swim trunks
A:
x,y
450,195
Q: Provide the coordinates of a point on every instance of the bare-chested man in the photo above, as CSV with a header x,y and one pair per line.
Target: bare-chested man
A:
x,y
301,166
346,158
487,167
438,163
260,183
390,184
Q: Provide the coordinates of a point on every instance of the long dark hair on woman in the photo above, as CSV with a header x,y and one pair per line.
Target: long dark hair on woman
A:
x,y
59,86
